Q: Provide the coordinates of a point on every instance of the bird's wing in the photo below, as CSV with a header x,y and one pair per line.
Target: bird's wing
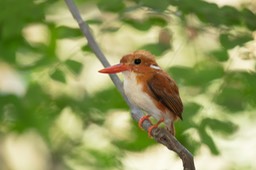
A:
x,y
166,91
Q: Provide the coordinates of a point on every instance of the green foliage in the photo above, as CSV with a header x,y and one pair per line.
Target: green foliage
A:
x,y
220,54
200,76
104,160
238,92
36,110
248,18
46,76
102,99
67,32
215,125
58,75
138,142
211,13
156,49
75,66
208,140
11,26
146,23
160,6
224,127
111,5
229,41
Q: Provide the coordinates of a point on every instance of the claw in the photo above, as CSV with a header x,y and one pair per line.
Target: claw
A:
x,y
142,120
153,127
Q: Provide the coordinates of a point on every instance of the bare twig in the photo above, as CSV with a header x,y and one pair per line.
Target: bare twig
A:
x,y
160,135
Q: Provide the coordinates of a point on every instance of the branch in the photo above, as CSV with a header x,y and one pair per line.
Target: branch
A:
x,y
160,135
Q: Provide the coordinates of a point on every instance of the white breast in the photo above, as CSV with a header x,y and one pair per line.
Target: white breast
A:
x,y
137,96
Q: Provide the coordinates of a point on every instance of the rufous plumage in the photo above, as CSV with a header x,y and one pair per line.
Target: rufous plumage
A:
x,y
150,88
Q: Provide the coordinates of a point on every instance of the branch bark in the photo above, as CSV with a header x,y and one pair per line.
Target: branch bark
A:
x,y
160,135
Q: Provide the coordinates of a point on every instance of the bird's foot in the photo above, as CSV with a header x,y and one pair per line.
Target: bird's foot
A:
x,y
142,120
154,126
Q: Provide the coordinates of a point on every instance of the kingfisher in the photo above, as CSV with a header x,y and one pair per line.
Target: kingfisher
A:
x,y
150,88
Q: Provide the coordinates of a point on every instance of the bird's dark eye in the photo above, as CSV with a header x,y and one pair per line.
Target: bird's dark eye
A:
x,y
137,61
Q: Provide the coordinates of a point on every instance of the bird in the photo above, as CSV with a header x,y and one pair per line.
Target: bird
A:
x,y
150,88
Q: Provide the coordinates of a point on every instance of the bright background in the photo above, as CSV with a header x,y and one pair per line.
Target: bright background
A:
x,y
57,112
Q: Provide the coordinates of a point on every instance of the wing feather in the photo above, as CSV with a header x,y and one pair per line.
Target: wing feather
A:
x,y
166,91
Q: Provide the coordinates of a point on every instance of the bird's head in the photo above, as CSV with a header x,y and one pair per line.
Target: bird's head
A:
x,y
139,62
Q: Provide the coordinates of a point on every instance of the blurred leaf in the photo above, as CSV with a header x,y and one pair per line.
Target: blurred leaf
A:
x,y
107,99
33,111
156,5
224,127
41,101
93,108
137,24
207,139
111,5
52,44
189,142
157,20
138,142
231,98
146,23
86,48
190,110
189,115
156,49
180,73
201,75
75,66
211,13
94,21
238,91
229,41
220,55
249,19
230,15
68,32
104,161
12,25
58,75
206,72
11,106
110,29
208,12
8,49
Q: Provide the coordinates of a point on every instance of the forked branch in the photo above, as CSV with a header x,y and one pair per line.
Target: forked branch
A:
x,y
160,135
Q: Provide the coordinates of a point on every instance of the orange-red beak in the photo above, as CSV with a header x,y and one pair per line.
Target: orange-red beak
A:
x,y
115,69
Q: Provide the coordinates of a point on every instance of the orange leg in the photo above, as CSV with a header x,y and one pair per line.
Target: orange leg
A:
x,y
154,126
142,120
